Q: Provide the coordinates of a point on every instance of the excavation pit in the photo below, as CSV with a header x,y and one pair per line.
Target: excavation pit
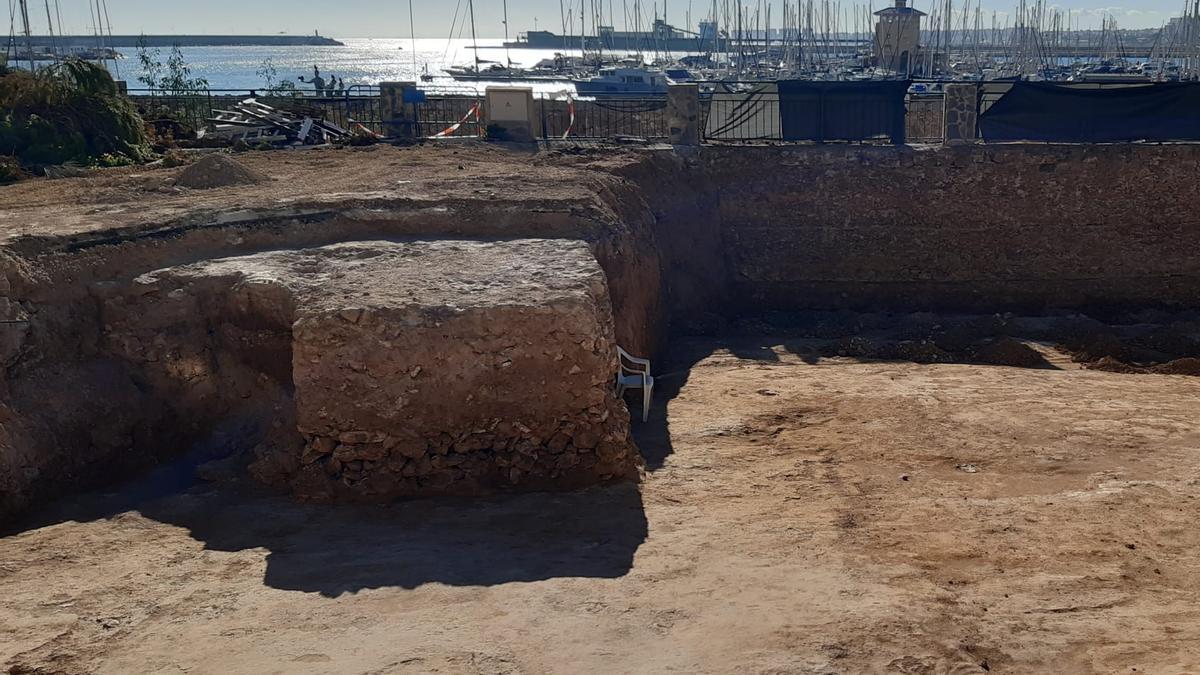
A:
x,y
898,416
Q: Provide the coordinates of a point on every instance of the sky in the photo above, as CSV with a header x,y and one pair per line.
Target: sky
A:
x,y
389,18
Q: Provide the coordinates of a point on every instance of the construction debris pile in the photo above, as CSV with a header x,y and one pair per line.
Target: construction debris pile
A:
x,y
256,122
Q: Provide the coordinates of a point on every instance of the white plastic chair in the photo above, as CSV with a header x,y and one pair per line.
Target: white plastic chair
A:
x,y
635,374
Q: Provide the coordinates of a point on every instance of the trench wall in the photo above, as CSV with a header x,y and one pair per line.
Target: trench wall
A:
x,y
100,380
988,228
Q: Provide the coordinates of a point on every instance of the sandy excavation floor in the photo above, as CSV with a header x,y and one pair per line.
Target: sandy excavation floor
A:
x,y
799,517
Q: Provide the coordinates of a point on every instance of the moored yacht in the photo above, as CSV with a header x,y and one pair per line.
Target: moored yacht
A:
x,y
623,82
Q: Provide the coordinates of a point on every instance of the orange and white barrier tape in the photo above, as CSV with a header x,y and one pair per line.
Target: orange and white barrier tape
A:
x,y
571,113
454,127
360,127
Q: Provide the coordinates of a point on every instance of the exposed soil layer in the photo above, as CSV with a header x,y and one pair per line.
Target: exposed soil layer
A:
x,y
803,514
1017,227
705,241
185,365
418,367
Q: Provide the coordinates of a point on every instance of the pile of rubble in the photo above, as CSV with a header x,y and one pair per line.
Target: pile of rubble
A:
x,y
255,122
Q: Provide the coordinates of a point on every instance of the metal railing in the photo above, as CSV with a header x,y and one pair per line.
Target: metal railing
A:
x,y
735,113
742,116
450,117
631,118
755,112
358,104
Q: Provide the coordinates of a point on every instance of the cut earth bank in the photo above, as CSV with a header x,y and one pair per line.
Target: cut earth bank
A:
x,y
386,322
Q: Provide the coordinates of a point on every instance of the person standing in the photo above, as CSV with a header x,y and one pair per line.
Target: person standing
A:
x,y
317,81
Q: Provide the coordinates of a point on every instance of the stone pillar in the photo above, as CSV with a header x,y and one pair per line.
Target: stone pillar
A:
x,y
683,114
510,114
961,115
398,108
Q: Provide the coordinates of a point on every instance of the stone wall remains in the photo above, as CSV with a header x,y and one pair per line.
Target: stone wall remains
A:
x,y
392,369
986,228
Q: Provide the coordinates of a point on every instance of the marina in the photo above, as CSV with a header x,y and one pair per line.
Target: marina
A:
x,y
954,40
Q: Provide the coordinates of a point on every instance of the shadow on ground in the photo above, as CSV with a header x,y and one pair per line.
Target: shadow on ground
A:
x,y
332,550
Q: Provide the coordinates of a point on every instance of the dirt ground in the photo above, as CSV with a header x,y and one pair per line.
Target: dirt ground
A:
x,y
799,515
149,196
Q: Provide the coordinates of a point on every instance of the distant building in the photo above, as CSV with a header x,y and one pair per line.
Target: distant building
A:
x,y
1185,27
898,38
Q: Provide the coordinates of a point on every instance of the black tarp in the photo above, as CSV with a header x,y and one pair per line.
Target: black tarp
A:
x,y
1080,113
842,111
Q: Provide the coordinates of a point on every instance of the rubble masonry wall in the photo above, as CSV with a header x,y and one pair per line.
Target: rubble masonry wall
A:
x,y
1022,227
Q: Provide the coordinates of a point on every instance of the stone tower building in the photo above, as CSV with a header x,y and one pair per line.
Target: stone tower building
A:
x,y
898,38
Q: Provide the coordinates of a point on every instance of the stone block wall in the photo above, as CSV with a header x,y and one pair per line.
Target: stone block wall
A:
x,y
505,382
973,227
411,368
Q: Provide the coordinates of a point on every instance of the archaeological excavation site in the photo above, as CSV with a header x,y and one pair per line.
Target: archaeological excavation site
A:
x,y
915,409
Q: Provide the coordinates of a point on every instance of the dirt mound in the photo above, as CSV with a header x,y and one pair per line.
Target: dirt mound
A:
x,y
1188,366
1109,364
922,351
1009,352
213,171
857,347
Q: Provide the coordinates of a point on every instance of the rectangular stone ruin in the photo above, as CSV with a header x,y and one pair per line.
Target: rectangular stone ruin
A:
x,y
460,366
437,367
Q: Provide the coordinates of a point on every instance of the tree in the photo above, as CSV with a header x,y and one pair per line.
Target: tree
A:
x,y
174,77
274,86
184,98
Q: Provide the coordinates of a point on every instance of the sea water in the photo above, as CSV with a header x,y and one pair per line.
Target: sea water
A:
x,y
362,61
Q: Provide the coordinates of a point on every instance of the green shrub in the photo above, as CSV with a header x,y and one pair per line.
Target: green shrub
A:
x,y
68,112
109,160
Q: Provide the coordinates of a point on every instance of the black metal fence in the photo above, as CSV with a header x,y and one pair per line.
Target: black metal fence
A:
x,y
742,115
734,112
803,111
450,117
357,105
640,118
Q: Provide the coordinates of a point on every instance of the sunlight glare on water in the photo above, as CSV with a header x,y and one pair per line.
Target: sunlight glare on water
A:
x,y
364,61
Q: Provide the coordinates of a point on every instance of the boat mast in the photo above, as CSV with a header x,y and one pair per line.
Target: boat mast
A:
x,y
562,14
97,24
507,57
116,64
412,35
58,13
28,35
50,28
474,41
